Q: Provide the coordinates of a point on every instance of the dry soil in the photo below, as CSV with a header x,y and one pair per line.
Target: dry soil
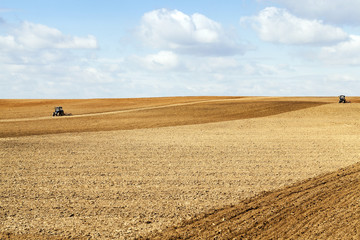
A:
x,y
198,167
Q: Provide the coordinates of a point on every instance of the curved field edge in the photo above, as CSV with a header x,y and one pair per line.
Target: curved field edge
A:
x,y
323,207
181,113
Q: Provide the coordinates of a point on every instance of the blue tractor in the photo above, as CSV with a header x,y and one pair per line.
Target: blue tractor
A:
x,y
342,99
58,112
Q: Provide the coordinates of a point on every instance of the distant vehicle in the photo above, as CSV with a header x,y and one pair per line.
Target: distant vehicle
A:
x,y
342,99
58,111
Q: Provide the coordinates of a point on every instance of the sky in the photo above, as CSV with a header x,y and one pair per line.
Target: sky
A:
x,y
140,48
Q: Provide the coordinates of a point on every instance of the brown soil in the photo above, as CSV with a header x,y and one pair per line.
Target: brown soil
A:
x,y
97,115
110,172
23,108
325,207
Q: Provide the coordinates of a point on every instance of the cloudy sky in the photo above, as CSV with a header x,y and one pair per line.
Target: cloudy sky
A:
x,y
141,48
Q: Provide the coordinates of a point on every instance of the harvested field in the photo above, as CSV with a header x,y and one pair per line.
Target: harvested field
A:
x,y
131,168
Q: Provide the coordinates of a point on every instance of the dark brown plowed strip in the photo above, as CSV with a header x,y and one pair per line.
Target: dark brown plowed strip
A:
x,y
29,108
204,112
326,207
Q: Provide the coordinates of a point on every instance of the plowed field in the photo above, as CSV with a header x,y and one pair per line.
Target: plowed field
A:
x,y
326,207
191,167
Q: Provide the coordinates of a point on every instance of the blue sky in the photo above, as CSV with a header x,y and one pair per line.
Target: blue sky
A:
x,y
120,49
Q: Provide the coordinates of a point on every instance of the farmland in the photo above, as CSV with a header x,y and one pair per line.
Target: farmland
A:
x,y
180,167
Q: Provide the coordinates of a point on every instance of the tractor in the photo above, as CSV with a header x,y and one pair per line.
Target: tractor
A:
x,y
58,111
342,99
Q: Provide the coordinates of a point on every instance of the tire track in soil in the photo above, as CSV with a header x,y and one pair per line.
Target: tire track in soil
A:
x,y
323,207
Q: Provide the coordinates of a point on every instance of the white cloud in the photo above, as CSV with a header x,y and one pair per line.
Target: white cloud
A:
x,y
340,78
211,64
193,55
279,26
31,36
7,42
196,34
163,60
344,53
35,57
334,11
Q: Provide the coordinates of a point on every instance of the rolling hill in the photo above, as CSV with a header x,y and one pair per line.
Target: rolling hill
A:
x,y
182,167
